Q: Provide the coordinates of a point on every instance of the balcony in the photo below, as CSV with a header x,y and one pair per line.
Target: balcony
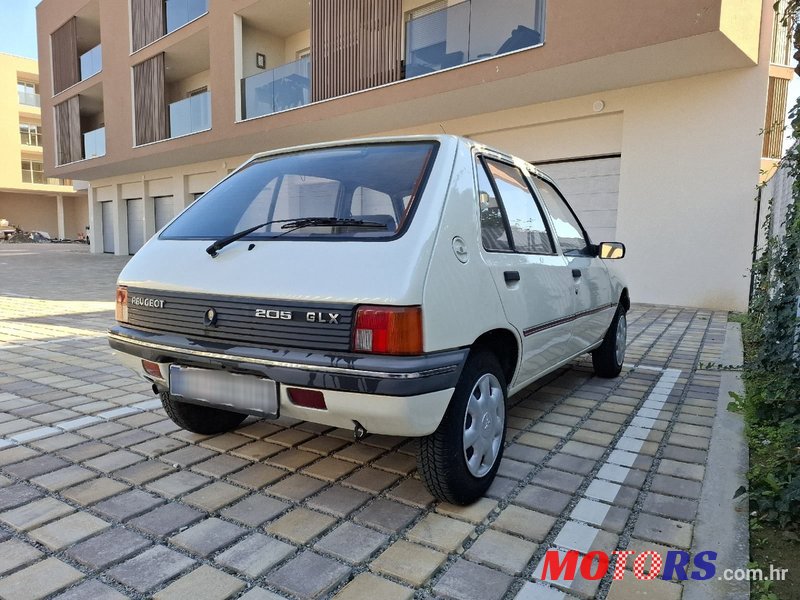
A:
x,y
180,12
281,88
29,99
469,31
190,115
91,62
94,143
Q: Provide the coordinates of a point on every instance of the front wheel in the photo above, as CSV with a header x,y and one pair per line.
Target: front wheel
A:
x,y
607,358
458,461
200,419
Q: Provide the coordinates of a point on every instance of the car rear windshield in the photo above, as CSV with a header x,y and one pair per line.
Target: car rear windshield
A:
x,y
378,184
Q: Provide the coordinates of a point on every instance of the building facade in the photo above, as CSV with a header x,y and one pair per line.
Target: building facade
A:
x,y
648,114
28,198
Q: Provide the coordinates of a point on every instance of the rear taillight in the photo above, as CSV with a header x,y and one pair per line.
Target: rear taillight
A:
x,y
121,306
388,330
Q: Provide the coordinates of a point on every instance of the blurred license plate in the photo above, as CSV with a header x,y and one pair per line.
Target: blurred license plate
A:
x,y
240,393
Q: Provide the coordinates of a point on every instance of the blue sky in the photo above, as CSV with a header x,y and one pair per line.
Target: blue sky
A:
x,y
18,27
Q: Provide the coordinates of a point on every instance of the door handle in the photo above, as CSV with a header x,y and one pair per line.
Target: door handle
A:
x,y
511,276
576,273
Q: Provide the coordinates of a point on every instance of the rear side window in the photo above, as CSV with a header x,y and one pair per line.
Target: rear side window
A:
x,y
568,229
375,183
525,220
493,228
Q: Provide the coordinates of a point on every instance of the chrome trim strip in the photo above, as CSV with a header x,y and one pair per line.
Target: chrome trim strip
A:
x,y
550,324
284,365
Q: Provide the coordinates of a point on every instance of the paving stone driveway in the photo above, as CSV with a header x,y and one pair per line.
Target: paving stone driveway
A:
x,y
102,497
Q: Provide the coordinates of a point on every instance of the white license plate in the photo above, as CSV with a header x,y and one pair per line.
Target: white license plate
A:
x,y
240,393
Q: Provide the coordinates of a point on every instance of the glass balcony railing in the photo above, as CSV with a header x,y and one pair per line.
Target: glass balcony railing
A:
x,y
469,31
29,99
281,88
180,12
190,115
91,62
94,143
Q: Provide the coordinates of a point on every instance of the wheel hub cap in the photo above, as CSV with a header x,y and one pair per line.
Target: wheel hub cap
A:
x,y
622,338
483,425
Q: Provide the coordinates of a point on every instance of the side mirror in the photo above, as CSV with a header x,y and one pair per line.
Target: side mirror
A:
x,y
611,250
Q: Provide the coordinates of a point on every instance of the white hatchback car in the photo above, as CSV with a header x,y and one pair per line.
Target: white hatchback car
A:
x,y
404,286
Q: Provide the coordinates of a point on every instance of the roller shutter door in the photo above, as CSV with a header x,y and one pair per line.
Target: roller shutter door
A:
x,y
165,210
591,186
135,225
107,209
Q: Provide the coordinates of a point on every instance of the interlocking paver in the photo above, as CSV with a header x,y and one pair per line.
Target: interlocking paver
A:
x,y
65,532
33,467
91,589
296,487
257,476
39,580
166,519
255,555
543,500
308,575
150,569
63,478
523,522
143,472
17,494
214,496
208,536
220,465
367,586
129,504
176,484
94,490
443,533
111,546
467,581
204,583
386,515
351,542
662,530
410,562
35,514
338,500
501,551
300,525
16,553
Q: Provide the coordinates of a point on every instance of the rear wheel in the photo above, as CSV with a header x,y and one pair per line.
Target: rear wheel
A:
x,y
459,460
200,419
607,358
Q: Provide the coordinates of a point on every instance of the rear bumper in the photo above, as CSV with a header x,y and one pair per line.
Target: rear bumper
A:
x,y
385,375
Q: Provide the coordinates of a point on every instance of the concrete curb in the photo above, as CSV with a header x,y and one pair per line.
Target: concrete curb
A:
x,y
722,523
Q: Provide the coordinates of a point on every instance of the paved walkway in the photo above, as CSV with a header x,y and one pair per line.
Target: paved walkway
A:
x,y
102,497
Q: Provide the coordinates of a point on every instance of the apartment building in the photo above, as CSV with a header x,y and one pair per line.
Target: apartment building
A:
x,y
648,113
28,198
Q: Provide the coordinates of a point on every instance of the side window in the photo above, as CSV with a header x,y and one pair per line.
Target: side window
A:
x,y
526,221
493,228
568,229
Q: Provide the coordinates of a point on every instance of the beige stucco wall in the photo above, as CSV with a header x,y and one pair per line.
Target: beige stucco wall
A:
x,y
32,212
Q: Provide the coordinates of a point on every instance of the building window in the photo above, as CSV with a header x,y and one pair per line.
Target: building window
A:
x,y
32,172
30,135
28,93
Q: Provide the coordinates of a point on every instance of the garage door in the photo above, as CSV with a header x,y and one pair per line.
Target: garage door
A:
x,y
591,186
165,210
135,225
107,209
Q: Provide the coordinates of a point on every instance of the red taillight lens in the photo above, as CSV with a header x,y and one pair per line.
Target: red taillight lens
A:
x,y
121,306
307,398
388,330
152,369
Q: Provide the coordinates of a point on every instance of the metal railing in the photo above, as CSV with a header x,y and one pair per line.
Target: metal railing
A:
x,y
281,88
190,115
94,143
91,62
471,30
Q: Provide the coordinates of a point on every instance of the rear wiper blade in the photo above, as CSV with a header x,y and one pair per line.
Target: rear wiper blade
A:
x,y
290,225
330,221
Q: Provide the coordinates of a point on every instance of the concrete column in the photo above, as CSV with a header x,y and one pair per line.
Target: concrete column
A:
x,y
182,196
95,223
120,223
60,212
149,211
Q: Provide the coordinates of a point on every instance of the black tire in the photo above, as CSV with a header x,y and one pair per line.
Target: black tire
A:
x,y
441,458
200,419
606,360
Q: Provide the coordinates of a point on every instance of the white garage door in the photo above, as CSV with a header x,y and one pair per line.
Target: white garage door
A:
x,y
591,186
165,210
135,225
107,209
